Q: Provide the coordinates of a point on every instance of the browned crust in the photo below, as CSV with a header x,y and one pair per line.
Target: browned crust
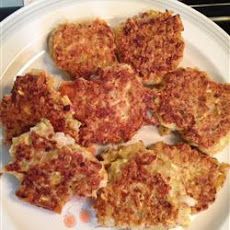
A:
x,y
111,107
152,43
197,107
137,197
202,175
150,186
80,48
51,174
37,189
33,97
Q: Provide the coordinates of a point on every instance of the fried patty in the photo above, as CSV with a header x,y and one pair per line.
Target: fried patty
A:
x,y
157,187
197,107
34,97
52,168
152,43
202,176
80,48
112,105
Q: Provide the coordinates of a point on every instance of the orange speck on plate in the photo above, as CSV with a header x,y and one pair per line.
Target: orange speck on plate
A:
x,y
70,220
85,216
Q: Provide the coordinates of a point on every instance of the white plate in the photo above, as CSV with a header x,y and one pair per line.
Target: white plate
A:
x,y
23,46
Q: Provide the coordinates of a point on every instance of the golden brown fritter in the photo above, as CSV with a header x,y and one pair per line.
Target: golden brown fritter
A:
x,y
33,97
112,106
152,43
197,107
52,167
80,48
143,191
156,187
202,175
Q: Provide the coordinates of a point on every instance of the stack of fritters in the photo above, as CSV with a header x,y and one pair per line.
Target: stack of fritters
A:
x,y
112,105
32,98
157,186
197,107
52,168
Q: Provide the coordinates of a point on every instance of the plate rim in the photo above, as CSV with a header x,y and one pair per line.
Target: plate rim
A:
x,y
25,11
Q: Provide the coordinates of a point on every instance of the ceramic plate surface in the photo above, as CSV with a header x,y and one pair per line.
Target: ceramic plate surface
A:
x,y
23,46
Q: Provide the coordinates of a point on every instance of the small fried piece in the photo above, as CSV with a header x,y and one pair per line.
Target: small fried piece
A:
x,y
112,106
156,187
152,43
197,107
32,98
52,168
163,130
80,48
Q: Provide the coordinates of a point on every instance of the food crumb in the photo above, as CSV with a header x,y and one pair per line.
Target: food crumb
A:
x,y
163,130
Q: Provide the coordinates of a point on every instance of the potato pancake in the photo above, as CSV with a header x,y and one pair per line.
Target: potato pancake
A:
x,y
52,168
152,43
80,48
157,187
197,107
202,175
32,98
112,105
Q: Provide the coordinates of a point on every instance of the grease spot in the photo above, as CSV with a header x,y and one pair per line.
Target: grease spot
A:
x,y
85,216
70,220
